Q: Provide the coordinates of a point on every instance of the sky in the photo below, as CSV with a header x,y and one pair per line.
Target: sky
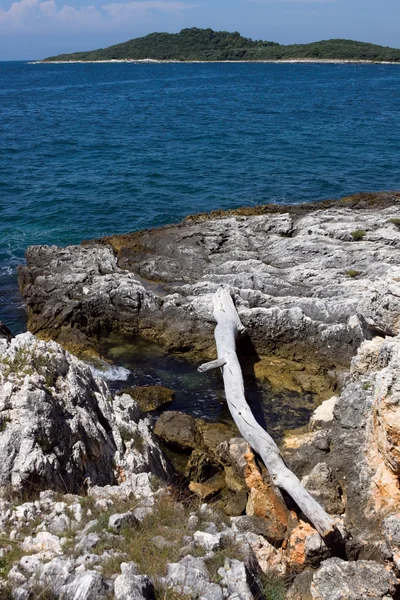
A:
x,y
35,29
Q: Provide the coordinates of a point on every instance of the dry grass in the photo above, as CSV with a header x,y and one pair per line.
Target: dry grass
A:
x,y
163,592
169,520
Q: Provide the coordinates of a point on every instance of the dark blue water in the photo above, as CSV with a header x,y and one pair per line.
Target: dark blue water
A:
x,y
88,150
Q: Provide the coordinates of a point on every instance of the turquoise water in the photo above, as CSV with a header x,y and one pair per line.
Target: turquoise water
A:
x,y
88,150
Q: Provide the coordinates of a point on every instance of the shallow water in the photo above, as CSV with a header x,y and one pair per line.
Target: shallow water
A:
x,y
201,394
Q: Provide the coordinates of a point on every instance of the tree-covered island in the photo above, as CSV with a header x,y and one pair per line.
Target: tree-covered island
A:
x,y
207,45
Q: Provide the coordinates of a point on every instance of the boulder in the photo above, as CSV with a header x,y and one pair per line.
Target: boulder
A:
x,y
178,430
60,429
323,415
119,520
142,451
190,577
132,586
238,581
386,407
150,397
340,580
324,487
59,577
264,501
236,505
207,490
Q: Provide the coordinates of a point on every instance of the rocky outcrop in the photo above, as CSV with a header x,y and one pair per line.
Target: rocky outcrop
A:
x,y
61,429
54,426
303,280
350,460
316,282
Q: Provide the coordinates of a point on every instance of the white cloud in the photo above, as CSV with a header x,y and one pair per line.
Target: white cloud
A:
x,y
39,14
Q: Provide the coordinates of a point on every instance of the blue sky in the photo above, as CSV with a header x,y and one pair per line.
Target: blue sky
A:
x,y
34,29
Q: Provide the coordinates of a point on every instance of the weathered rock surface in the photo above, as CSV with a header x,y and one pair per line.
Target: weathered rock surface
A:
x,y
355,469
190,577
55,431
59,427
130,585
300,280
340,580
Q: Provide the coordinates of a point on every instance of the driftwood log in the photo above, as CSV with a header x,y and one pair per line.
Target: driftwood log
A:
x,y
226,331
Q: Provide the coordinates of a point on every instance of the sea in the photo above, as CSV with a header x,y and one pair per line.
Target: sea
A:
x,y
93,149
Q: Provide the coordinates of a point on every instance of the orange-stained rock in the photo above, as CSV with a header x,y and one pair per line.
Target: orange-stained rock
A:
x,y
263,501
208,489
296,545
384,491
386,417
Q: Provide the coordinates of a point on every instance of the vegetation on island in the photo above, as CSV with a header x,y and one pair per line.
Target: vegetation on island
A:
x,y
207,45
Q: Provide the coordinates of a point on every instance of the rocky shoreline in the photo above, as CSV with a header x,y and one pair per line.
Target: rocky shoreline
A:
x,y
91,504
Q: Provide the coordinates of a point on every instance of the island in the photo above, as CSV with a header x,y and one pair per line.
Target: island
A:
x,y
206,45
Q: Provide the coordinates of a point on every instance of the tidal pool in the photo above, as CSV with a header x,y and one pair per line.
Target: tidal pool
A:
x,y
137,362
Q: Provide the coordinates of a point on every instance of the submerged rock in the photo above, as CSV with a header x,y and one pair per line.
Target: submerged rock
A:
x,y
150,397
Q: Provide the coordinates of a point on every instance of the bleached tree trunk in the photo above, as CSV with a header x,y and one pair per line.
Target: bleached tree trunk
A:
x,y
228,327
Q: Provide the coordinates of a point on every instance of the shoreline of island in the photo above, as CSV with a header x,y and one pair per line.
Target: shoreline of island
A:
x,y
336,61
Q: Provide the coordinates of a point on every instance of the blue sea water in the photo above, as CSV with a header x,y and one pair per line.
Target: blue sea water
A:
x,y
89,150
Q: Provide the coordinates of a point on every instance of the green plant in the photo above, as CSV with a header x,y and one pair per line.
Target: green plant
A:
x,y
395,221
102,524
168,519
358,234
352,273
9,559
155,482
272,586
137,441
38,592
366,386
3,423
